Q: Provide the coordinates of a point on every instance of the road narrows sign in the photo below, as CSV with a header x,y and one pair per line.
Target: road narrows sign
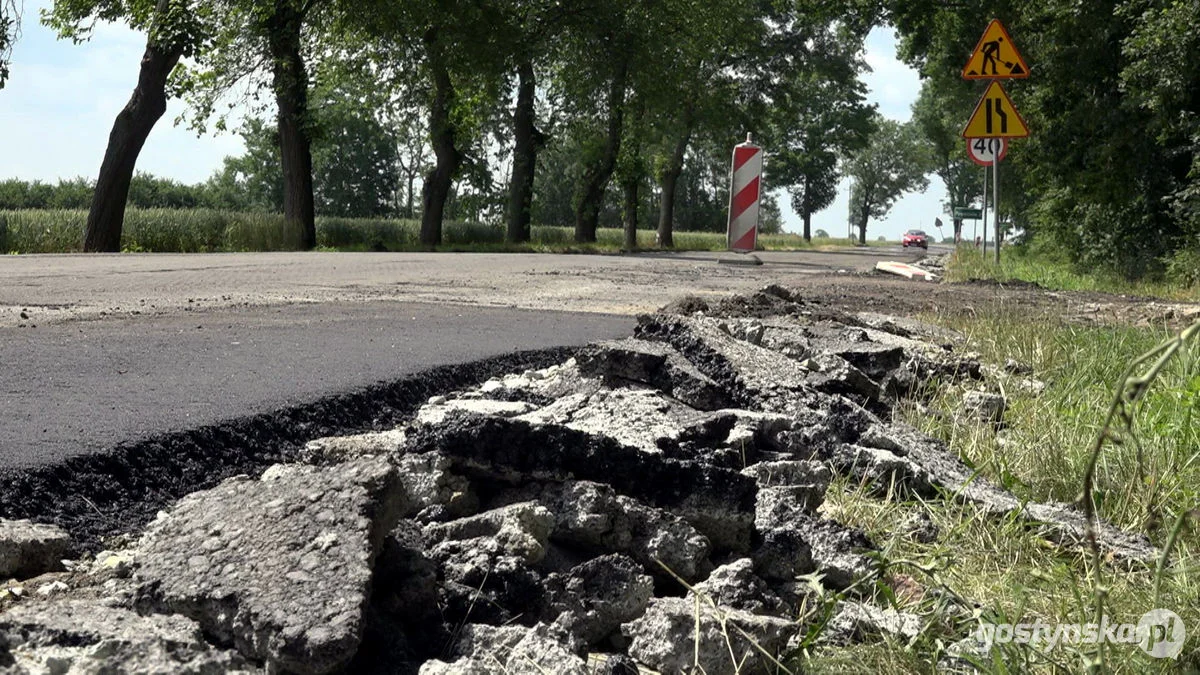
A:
x,y
995,57
995,116
984,151
744,197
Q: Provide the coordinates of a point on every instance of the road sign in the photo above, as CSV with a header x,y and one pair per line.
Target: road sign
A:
x,y
963,213
995,57
985,151
743,197
995,116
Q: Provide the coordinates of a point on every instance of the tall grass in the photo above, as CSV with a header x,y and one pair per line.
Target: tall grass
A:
x,y
1035,266
1145,483
207,231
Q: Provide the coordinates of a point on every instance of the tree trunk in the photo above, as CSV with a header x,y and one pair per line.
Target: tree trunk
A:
x,y
129,133
443,137
807,216
670,180
958,225
290,81
528,140
408,208
596,177
630,211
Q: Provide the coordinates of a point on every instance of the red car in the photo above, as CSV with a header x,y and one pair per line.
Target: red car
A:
x,y
915,238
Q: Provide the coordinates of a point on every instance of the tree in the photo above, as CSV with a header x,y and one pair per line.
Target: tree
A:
x,y
355,159
253,181
449,53
939,114
892,163
172,33
824,119
10,22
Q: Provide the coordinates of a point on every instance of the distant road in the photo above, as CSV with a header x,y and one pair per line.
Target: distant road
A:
x,y
99,349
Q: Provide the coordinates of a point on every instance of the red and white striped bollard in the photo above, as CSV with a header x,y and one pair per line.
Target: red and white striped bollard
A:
x,y
744,197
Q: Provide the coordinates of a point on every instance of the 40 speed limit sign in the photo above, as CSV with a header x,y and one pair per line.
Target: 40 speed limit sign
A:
x,y
987,151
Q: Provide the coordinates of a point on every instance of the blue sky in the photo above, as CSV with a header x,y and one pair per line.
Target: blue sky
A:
x,y
58,107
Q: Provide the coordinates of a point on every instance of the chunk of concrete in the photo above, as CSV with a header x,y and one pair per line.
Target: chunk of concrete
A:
x,y
678,635
521,530
1066,525
88,636
595,598
434,413
804,473
435,491
482,583
654,364
641,418
753,375
984,407
833,374
735,585
838,551
717,502
782,554
783,505
279,568
29,549
336,449
860,622
510,649
595,518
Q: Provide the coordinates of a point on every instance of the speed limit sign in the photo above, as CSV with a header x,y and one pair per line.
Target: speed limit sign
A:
x,y
986,151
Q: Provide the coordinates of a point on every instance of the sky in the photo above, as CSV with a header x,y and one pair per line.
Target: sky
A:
x,y
58,107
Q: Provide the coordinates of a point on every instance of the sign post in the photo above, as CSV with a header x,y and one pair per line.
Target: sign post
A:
x,y
995,119
744,192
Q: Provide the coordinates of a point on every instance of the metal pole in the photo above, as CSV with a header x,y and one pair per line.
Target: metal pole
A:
x,y
996,198
985,203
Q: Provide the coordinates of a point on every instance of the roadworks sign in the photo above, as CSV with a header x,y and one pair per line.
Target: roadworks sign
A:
x,y
995,116
995,57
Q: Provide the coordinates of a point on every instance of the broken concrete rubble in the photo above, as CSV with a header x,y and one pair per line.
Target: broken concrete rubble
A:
x,y
736,586
678,635
651,497
592,600
28,549
857,622
521,530
654,364
89,636
510,649
985,407
279,568
718,502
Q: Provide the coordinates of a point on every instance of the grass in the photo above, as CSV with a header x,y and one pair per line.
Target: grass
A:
x,y
209,231
1031,265
1143,484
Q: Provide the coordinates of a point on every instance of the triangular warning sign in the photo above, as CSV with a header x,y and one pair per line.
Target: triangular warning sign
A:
x,y
995,116
995,57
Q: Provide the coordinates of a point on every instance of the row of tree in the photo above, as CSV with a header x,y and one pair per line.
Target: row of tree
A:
x,y
587,93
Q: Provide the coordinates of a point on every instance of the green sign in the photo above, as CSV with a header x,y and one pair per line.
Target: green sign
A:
x,y
967,214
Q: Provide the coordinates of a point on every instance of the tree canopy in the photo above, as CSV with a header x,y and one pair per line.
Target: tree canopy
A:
x,y
894,160
1109,175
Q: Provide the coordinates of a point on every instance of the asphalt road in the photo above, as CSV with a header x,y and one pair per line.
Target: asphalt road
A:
x,y
96,350
84,386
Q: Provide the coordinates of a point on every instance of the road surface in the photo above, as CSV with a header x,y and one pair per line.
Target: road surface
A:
x,y
100,349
